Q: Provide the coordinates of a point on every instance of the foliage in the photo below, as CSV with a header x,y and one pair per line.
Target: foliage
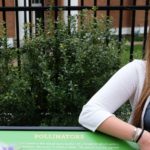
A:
x,y
61,68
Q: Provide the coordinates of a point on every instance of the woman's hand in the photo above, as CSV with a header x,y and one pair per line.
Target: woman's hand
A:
x,y
144,142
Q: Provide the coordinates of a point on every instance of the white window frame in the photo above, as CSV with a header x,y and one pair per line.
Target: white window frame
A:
x,y
35,4
73,13
21,20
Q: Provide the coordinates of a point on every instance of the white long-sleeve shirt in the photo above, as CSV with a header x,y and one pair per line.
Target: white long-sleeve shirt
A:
x,y
125,84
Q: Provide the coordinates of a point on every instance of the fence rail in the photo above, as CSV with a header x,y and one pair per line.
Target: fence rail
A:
x,y
73,8
28,8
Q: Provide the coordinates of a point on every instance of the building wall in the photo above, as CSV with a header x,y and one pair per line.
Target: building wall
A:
x,y
127,15
10,17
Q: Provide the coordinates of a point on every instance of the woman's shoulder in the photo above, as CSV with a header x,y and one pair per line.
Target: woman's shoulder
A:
x,y
139,61
135,68
138,64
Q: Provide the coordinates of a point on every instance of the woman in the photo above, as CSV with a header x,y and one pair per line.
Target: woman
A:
x,y
132,82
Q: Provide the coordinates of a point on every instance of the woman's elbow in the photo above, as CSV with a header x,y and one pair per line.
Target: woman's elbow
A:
x,y
85,117
81,119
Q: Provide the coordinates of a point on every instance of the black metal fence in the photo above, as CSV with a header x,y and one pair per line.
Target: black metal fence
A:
x,y
39,10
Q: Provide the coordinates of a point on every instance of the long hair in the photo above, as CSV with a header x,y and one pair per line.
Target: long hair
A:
x,y
146,87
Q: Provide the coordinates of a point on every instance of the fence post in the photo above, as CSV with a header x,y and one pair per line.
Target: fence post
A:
x,y
95,11
132,31
4,13
145,27
120,21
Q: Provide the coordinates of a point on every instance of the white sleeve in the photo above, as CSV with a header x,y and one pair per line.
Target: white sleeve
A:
x,y
110,97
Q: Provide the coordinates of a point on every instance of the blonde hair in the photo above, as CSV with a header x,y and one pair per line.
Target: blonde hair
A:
x,y
146,87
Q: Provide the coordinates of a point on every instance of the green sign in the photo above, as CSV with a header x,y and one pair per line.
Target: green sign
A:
x,y
61,140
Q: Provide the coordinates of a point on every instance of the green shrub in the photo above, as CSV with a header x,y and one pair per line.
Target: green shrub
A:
x,y
60,70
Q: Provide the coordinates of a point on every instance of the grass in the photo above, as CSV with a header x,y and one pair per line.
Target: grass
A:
x,y
125,55
137,37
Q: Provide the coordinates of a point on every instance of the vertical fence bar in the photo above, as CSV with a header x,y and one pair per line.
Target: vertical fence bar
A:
x,y
25,15
120,21
25,19
56,53
43,16
30,18
81,17
147,2
132,31
82,2
17,26
69,14
69,10
108,15
4,13
55,13
17,36
4,21
95,5
108,11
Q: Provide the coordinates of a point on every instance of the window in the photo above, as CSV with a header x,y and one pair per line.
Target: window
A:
x,y
36,15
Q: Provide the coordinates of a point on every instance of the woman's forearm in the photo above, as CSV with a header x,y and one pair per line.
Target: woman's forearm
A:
x,y
117,128
120,129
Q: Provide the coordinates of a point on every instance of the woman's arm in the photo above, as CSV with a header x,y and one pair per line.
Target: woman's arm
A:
x,y
97,114
121,86
122,130
118,128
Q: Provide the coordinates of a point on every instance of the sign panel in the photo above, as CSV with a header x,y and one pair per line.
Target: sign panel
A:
x,y
61,140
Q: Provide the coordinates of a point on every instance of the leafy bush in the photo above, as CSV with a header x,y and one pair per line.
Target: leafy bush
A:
x,y
60,70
